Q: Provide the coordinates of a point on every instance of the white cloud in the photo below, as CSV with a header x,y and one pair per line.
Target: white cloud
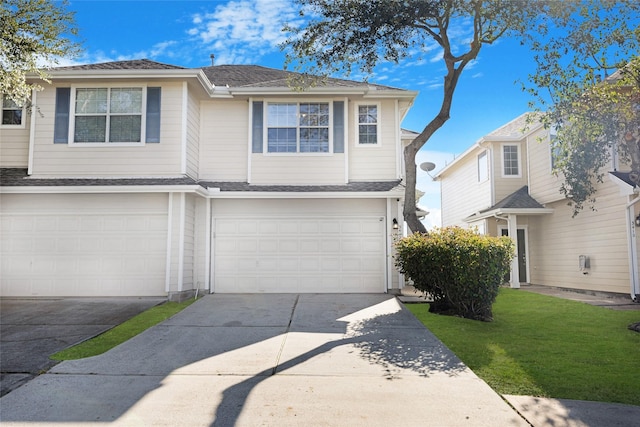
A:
x,y
240,31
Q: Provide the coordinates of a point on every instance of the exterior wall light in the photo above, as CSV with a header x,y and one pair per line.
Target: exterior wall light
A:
x,y
395,223
637,221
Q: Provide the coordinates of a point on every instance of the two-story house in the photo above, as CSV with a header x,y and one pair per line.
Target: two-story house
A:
x,y
136,178
504,185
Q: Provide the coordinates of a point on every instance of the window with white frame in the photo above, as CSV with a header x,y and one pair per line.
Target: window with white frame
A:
x,y
107,115
12,113
368,125
298,127
483,166
510,161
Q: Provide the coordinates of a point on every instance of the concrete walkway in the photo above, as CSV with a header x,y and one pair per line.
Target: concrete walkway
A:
x,y
268,360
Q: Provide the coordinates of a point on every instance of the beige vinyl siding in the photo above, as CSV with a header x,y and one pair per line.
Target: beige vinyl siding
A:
x,y
462,194
504,186
559,240
544,186
193,135
161,159
223,141
14,145
200,241
189,242
373,163
297,169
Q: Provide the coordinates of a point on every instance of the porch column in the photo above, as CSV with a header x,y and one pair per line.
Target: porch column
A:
x,y
512,224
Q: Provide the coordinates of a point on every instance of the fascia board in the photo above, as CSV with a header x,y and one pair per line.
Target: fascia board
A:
x,y
212,193
87,189
625,188
134,74
458,159
498,212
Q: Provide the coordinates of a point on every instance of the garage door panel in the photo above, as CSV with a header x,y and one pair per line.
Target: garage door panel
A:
x,y
290,254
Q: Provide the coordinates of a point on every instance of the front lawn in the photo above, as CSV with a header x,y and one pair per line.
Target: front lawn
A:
x,y
546,346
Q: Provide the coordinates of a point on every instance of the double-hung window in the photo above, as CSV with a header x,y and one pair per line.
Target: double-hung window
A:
x,y
108,115
298,127
510,161
11,113
368,125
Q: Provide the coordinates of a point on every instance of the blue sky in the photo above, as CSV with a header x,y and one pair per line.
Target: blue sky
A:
x,y
185,33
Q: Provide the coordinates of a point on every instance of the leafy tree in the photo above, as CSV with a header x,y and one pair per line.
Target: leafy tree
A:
x,y
32,33
592,115
342,35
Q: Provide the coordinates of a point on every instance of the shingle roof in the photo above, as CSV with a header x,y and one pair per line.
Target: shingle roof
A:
x,y
517,200
516,127
256,76
17,177
623,176
136,64
14,177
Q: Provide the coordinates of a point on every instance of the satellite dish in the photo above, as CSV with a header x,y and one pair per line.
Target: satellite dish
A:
x,y
427,166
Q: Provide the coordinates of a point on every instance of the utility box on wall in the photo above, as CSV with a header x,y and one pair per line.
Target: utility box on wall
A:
x,y
584,262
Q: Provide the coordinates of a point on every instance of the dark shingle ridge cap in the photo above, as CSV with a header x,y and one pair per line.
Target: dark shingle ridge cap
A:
x,y
371,186
134,64
258,76
519,199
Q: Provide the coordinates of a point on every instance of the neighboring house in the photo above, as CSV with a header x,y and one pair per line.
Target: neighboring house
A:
x,y
504,185
137,178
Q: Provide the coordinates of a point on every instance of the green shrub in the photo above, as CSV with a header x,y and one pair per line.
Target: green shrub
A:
x,y
460,269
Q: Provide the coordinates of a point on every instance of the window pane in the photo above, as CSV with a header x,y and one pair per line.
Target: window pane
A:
x,y
314,114
314,140
281,140
368,134
483,167
90,129
8,103
367,114
282,115
125,128
91,101
126,101
12,117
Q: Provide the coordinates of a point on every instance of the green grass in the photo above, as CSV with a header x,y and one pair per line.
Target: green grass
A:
x,y
122,332
549,347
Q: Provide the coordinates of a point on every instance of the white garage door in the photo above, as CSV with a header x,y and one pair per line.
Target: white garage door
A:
x,y
299,254
83,245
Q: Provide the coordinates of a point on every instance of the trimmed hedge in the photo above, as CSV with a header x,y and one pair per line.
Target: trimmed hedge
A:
x,y
460,269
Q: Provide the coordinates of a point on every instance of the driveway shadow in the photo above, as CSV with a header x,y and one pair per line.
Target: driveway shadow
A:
x,y
228,345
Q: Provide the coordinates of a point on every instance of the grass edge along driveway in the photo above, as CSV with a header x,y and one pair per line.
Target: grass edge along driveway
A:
x,y
545,346
123,332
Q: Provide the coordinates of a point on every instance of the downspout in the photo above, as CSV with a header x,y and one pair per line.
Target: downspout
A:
x,y
633,250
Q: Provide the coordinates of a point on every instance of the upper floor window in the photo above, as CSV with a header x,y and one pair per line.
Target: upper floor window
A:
x,y
483,167
298,127
368,125
11,113
510,161
107,115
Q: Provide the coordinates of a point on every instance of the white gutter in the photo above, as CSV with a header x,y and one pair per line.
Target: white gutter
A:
x,y
509,211
212,193
88,189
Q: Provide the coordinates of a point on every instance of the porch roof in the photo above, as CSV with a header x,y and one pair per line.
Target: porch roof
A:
x,y
518,202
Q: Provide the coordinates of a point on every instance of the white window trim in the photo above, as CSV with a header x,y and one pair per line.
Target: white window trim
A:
x,y
23,119
357,124
72,115
486,155
519,175
265,127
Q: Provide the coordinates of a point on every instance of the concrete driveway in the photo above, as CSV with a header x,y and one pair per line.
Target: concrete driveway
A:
x,y
268,360
33,329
